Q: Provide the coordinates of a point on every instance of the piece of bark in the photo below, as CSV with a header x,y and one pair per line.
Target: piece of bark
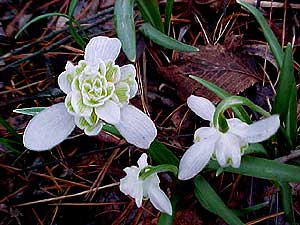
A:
x,y
216,64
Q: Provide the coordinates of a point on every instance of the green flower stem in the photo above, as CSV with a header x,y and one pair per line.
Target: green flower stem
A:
x,y
149,170
219,120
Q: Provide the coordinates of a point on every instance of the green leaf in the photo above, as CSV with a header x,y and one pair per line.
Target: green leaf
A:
x,y
37,19
287,201
245,211
286,96
209,199
239,111
10,129
150,13
256,149
262,168
268,33
165,41
161,154
124,25
168,13
29,111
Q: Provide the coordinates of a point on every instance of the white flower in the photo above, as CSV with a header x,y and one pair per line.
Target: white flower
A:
x,y
140,189
98,92
226,147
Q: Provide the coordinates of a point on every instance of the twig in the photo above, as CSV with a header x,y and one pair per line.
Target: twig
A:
x,y
294,154
67,196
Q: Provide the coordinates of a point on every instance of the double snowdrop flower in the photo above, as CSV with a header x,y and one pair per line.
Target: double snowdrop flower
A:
x,y
98,92
140,189
226,147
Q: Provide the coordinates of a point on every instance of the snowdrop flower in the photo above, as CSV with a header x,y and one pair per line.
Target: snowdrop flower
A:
x,y
98,92
226,147
138,189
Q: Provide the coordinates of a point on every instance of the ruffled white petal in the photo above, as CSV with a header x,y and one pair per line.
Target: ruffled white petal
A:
x,y
48,128
142,161
104,48
195,158
159,199
131,185
109,112
128,74
228,150
260,130
202,107
64,79
136,127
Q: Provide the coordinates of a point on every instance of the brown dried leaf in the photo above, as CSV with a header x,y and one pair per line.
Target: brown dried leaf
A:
x,y
216,64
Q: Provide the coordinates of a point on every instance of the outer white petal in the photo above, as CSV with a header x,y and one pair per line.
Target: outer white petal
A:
x,y
142,162
126,71
136,127
260,130
48,128
201,106
63,83
109,112
159,199
130,185
195,158
104,48
228,150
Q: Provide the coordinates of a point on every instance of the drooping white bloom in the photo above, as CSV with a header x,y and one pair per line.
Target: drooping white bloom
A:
x,y
140,189
98,92
226,147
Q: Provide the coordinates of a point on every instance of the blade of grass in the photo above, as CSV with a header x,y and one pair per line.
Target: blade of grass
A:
x,y
287,201
245,211
165,41
168,13
262,168
37,19
239,111
79,40
29,111
268,33
150,13
210,200
286,96
124,26
9,129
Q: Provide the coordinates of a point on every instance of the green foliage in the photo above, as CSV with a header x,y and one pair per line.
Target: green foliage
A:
x,y
262,168
150,12
168,13
124,25
209,199
165,41
286,97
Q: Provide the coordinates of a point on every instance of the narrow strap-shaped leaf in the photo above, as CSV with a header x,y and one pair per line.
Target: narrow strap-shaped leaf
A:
x,y
124,25
268,33
243,212
150,13
262,168
37,19
9,129
287,201
210,200
239,111
286,96
168,13
29,111
163,40
79,40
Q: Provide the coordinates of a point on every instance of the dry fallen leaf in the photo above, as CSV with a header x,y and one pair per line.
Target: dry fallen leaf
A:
x,y
216,64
